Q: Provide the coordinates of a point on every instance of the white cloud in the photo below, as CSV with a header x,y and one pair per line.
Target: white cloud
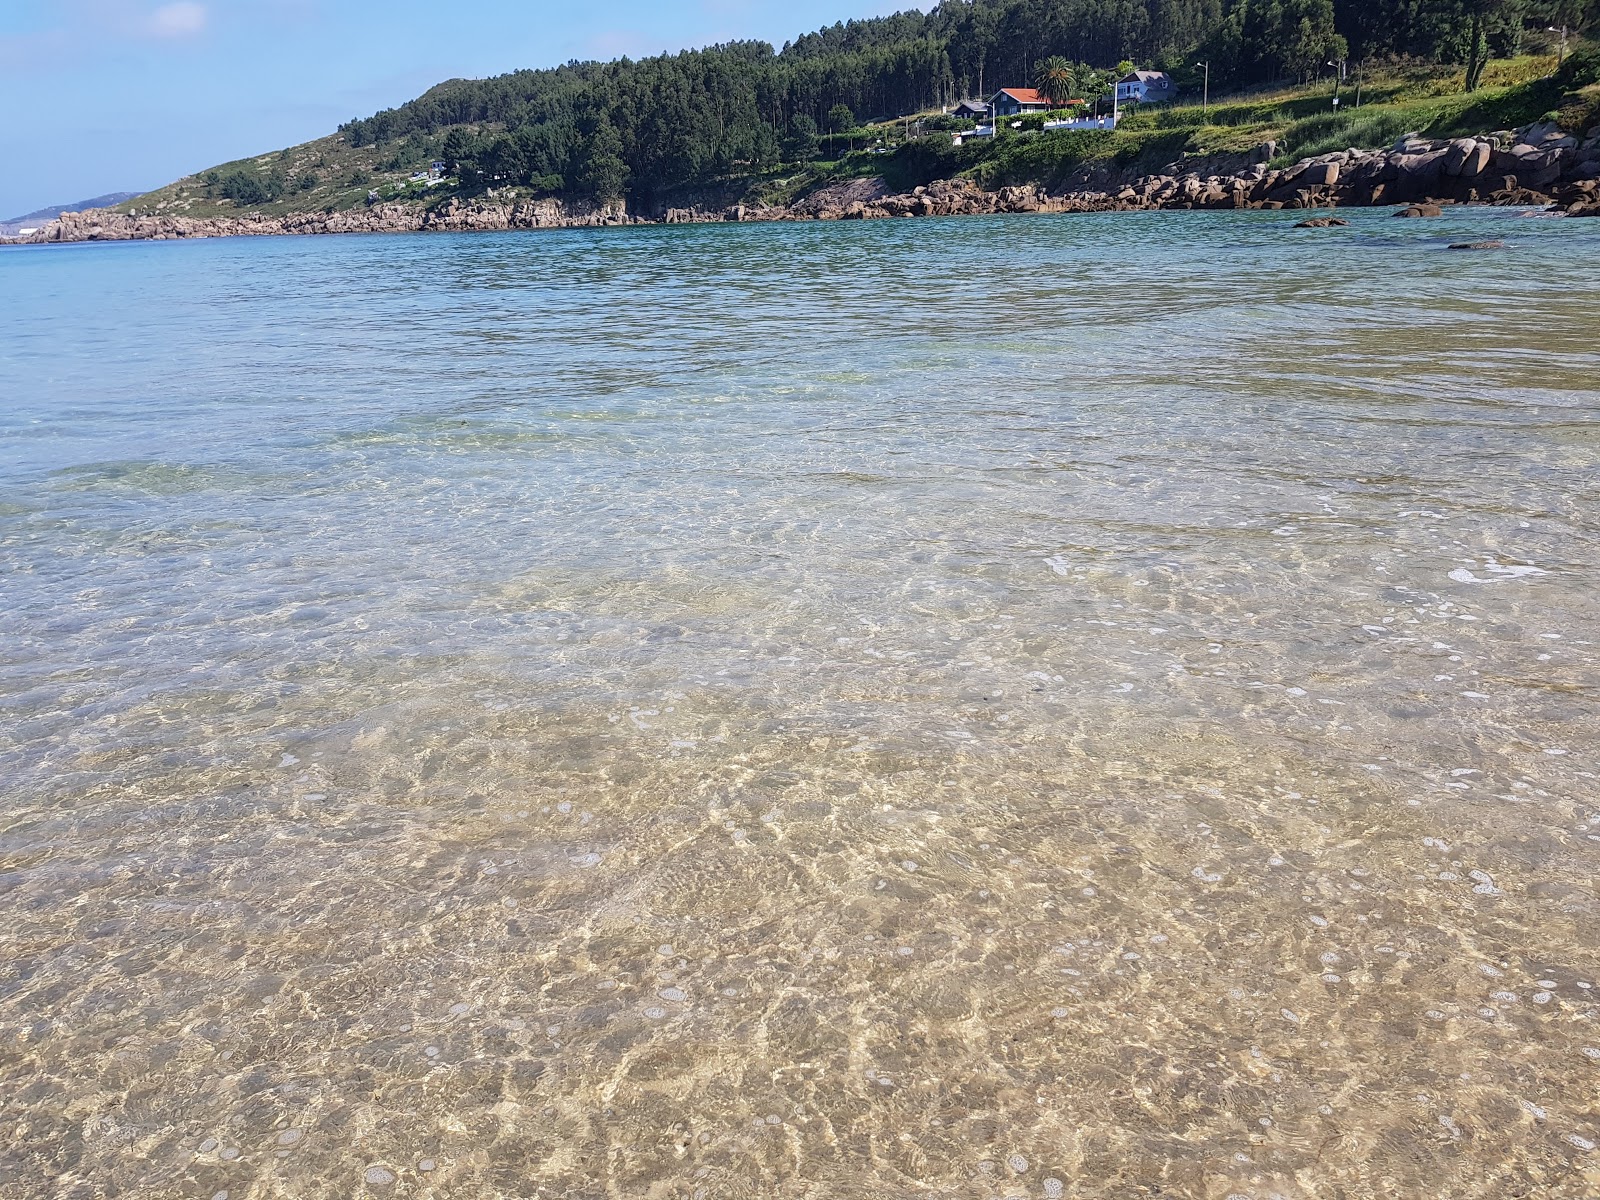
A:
x,y
184,18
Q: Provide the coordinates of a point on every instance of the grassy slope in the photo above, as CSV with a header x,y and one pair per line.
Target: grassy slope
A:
x,y
1301,120
340,176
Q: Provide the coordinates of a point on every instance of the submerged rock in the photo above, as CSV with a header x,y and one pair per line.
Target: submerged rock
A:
x,y
1491,244
1421,210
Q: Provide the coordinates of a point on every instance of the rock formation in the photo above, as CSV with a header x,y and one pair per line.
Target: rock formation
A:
x,y
1539,165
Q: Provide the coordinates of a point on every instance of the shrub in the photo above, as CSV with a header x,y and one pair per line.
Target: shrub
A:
x,y
1044,160
1368,129
243,186
1152,151
1221,114
922,160
1582,68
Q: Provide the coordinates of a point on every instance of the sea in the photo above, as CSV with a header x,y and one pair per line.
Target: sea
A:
x,y
987,707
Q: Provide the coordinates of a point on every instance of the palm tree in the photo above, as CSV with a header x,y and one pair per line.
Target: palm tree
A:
x,y
1053,78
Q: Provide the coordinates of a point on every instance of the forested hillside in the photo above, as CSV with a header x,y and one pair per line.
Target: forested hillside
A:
x,y
648,129
641,127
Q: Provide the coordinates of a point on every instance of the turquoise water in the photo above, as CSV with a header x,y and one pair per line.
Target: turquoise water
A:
x,y
957,707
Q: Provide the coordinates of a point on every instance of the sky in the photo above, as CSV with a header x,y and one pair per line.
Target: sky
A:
x,y
102,96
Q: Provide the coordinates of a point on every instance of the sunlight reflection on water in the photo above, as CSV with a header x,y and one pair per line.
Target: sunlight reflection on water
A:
x,y
1017,706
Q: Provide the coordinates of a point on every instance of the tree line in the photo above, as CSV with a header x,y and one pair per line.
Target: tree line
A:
x,y
644,127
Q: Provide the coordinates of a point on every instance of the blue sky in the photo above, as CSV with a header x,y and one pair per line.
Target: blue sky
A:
x,y
125,95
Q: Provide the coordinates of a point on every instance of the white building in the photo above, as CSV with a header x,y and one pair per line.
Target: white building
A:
x,y
1147,87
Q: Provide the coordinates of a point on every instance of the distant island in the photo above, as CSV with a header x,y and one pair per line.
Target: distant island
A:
x,y
1003,104
14,226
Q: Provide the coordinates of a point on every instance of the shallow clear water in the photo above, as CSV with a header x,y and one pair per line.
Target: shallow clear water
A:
x,y
1093,706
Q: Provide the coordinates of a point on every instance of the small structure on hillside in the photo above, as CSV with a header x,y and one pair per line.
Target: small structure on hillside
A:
x,y
1081,122
971,110
1147,87
1010,102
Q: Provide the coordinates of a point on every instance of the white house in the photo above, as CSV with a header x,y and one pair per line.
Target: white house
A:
x,y
1148,87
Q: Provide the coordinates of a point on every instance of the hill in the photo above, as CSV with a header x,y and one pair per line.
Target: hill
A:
x,y
744,119
40,216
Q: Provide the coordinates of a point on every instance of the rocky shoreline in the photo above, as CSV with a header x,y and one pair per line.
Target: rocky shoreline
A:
x,y
1540,165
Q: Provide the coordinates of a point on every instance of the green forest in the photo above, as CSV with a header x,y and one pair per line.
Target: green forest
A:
x,y
641,128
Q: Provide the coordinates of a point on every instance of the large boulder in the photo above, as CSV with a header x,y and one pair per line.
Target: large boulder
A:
x,y
835,200
1515,196
1019,199
1580,198
1455,154
1534,166
1413,176
1413,143
1324,174
1362,172
1298,180
1540,132
1421,210
1467,157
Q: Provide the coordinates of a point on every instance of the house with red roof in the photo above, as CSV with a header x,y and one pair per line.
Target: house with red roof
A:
x,y
1009,102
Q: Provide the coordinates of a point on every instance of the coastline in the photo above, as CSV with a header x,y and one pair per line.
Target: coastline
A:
x,y
1540,165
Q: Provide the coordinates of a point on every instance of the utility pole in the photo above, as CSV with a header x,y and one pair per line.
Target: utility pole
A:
x,y
1561,55
1205,94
